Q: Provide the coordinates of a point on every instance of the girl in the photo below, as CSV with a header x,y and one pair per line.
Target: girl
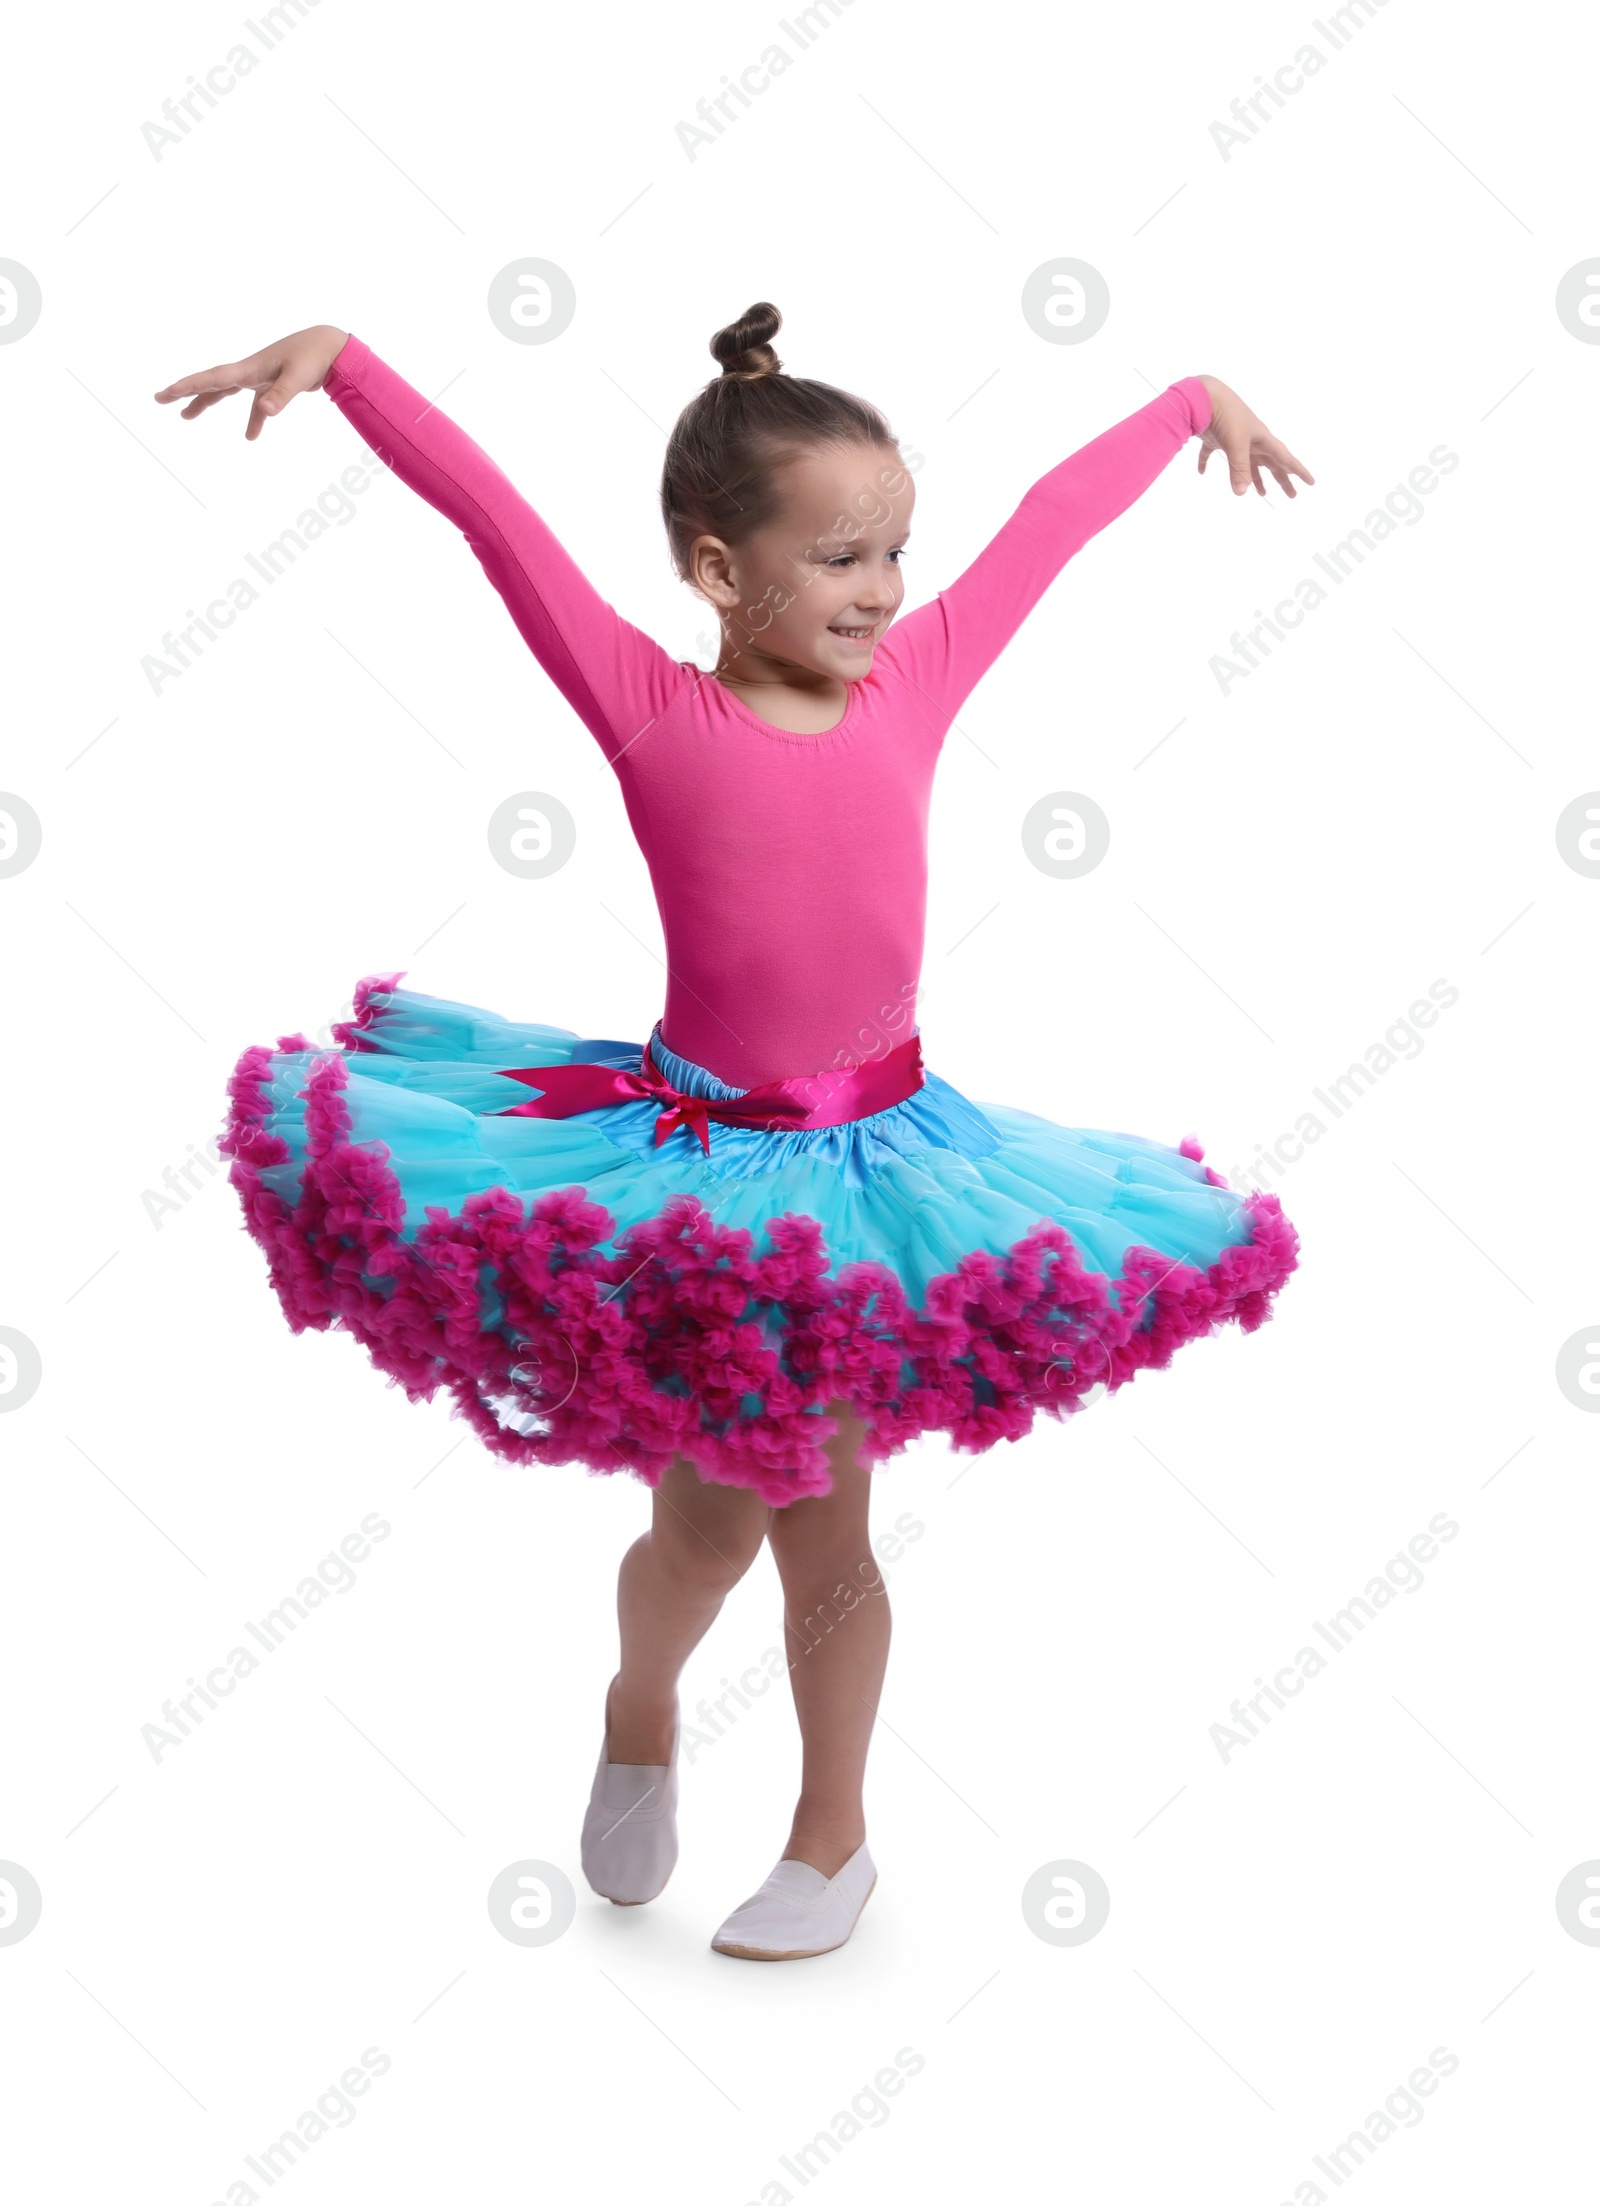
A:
x,y
755,1258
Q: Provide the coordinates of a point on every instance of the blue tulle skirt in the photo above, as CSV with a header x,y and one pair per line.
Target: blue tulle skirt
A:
x,y
589,1296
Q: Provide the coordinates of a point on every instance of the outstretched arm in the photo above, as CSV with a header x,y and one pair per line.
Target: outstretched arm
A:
x,y
616,679
944,647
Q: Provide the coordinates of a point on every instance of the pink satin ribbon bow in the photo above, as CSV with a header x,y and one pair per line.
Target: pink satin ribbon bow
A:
x,y
779,1106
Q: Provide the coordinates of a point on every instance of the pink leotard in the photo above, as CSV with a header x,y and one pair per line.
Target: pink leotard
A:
x,y
790,871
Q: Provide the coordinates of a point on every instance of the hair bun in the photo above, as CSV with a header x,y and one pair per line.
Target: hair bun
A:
x,y
744,348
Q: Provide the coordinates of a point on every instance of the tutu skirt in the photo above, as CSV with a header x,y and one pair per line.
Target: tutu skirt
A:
x,y
590,1296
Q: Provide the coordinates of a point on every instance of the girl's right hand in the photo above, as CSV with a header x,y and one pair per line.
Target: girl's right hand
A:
x,y
276,374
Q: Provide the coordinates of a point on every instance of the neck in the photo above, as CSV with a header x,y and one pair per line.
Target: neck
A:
x,y
757,669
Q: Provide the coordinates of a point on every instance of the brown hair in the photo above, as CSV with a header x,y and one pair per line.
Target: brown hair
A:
x,y
729,443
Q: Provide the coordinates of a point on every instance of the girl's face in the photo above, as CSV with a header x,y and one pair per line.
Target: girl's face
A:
x,y
816,589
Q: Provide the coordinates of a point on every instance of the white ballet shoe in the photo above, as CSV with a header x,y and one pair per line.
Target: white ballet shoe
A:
x,y
799,1912
630,1831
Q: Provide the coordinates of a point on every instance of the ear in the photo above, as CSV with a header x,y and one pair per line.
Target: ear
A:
x,y
710,564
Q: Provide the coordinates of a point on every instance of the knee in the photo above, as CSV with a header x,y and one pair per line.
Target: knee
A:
x,y
699,1565
833,1573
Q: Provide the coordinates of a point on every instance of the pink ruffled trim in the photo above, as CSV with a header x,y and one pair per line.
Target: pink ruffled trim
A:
x,y
1189,1147
630,1359
351,1032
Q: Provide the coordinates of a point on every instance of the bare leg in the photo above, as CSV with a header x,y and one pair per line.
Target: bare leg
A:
x,y
674,1578
836,1623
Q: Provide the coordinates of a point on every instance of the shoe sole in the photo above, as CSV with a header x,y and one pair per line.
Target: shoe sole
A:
x,y
797,1953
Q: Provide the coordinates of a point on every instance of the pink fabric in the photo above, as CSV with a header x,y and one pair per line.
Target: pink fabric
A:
x,y
790,870
351,1033
780,1106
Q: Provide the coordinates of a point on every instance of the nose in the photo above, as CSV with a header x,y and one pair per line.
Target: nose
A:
x,y
877,592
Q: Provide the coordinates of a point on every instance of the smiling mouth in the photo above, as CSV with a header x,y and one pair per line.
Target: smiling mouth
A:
x,y
854,635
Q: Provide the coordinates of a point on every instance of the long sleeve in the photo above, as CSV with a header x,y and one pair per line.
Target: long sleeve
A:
x,y
615,678
944,647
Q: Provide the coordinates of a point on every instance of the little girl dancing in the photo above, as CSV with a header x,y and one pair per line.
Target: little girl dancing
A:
x,y
753,1258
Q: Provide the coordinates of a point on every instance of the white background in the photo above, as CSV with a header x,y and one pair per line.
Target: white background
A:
x,y
1292,1931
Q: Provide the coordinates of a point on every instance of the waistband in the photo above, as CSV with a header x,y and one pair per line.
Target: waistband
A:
x,y
693,1098
686,1075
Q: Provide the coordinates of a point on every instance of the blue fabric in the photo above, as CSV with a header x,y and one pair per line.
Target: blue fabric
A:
x,y
916,1187
936,1117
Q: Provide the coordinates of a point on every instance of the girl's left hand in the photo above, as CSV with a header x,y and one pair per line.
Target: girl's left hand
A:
x,y
1248,443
